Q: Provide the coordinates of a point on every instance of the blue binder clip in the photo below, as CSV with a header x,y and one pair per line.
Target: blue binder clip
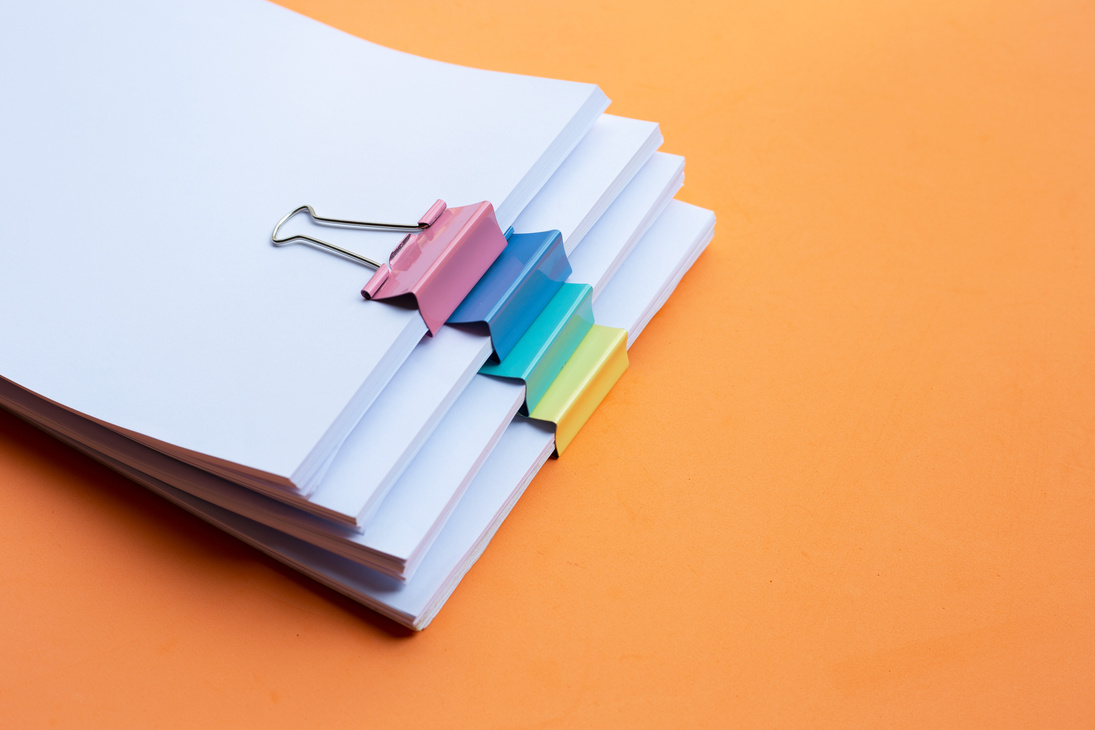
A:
x,y
516,288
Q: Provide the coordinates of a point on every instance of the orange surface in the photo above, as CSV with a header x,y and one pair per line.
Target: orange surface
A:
x,y
848,479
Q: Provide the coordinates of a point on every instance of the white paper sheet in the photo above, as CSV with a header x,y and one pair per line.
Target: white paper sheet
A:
x,y
649,194
158,143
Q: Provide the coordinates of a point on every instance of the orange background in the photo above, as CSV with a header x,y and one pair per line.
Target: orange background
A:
x,y
848,480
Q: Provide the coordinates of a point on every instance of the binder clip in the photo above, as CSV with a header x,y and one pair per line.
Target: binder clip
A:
x,y
596,365
540,354
437,263
516,288
567,362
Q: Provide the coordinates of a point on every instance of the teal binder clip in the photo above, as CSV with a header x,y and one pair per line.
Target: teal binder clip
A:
x,y
567,362
543,350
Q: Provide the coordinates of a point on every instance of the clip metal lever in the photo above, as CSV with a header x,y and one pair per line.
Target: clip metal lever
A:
x,y
436,264
340,223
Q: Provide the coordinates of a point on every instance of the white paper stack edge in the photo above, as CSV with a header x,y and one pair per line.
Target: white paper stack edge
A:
x,y
642,284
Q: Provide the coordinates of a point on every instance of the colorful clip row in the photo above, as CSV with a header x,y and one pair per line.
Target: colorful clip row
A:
x,y
458,266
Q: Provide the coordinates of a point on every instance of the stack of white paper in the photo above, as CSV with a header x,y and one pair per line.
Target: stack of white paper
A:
x,y
152,325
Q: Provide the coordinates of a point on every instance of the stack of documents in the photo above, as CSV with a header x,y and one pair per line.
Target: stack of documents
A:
x,y
152,324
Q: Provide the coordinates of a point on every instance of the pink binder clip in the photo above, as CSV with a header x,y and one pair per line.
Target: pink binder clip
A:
x,y
439,261
440,265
